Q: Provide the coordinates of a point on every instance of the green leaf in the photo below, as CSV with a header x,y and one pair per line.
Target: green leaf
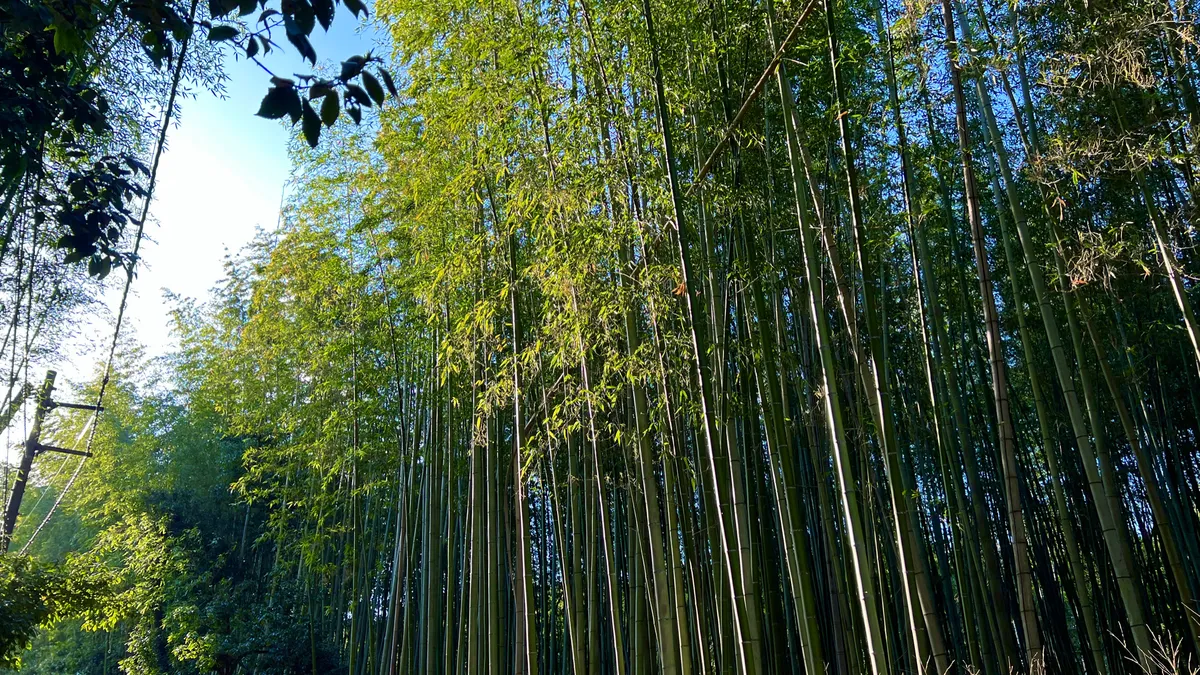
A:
x,y
351,67
355,113
304,17
251,47
99,267
66,39
387,82
222,33
373,87
354,91
303,46
280,100
311,125
329,110
291,26
356,6
324,10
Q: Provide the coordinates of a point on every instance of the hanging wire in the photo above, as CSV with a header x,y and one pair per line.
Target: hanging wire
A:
x,y
62,465
91,426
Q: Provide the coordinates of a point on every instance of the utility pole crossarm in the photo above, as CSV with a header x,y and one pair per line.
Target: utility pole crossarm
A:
x,y
66,451
76,406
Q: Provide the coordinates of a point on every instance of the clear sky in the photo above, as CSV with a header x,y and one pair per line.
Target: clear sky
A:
x,y
222,176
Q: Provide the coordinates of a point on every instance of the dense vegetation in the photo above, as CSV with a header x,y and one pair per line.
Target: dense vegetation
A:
x,y
691,337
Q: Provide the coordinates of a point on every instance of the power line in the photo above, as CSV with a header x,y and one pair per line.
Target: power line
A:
x,y
63,463
169,113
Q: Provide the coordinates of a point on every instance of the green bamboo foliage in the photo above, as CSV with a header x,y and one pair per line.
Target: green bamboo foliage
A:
x,y
728,337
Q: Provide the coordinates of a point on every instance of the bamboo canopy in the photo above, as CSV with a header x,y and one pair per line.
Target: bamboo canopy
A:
x,y
719,336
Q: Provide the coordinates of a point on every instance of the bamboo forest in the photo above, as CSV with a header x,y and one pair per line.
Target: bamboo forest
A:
x,y
614,336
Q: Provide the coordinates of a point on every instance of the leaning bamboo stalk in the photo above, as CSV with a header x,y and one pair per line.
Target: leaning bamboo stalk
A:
x,y
699,345
847,486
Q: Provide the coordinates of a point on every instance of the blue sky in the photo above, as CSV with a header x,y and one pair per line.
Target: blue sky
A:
x,y
222,176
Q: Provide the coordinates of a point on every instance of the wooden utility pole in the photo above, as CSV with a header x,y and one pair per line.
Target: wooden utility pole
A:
x,y
33,448
31,444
